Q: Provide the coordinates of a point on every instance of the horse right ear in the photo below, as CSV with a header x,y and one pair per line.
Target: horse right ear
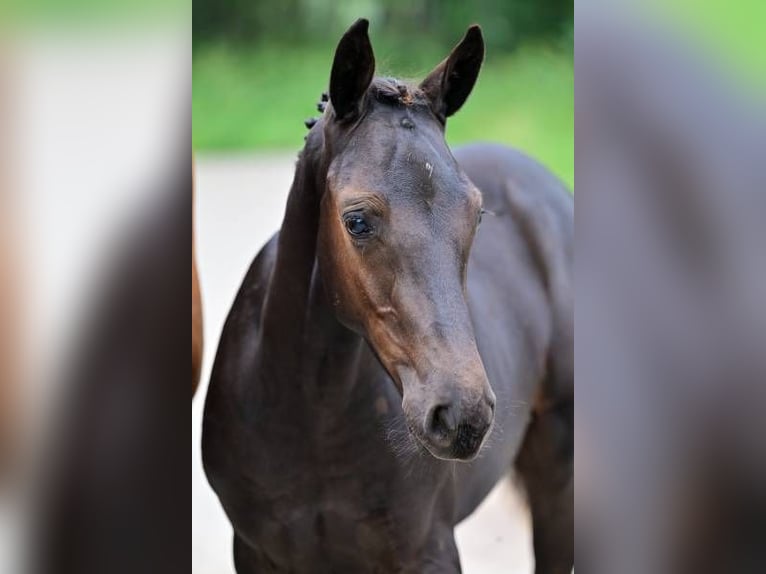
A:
x,y
352,71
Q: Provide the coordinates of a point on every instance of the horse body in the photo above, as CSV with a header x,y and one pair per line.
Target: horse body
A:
x,y
311,434
324,473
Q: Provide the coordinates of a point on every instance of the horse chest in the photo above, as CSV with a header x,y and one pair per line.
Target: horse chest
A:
x,y
350,523
336,501
349,479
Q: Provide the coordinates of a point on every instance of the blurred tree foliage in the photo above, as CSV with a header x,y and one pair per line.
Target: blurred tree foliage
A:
x,y
506,23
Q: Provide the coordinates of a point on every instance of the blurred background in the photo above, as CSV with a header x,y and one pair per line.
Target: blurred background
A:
x,y
259,68
95,187
93,96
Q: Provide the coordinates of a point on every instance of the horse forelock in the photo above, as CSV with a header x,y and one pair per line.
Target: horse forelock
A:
x,y
389,91
396,92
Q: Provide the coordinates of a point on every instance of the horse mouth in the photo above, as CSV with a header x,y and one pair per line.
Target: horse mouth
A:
x,y
464,446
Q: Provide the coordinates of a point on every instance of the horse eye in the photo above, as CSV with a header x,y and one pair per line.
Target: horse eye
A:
x,y
357,226
481,212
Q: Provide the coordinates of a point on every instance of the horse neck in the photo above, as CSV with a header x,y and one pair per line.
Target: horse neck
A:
x,y
286,299
298,325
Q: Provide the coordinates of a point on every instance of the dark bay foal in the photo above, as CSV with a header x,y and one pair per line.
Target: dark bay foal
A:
x,y
379,336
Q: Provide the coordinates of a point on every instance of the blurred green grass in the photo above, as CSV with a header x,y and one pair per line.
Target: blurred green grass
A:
x,y
731,33
257,99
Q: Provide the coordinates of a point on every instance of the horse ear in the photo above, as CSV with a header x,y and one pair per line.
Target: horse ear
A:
x,y
352,71
450,83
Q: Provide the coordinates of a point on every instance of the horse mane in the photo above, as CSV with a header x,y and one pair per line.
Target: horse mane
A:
x,y
390,91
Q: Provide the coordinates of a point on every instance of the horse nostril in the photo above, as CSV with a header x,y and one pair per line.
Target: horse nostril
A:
x,y
443,421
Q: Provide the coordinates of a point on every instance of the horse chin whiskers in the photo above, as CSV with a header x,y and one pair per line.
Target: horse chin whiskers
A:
x,y
491,438
403,443
399,440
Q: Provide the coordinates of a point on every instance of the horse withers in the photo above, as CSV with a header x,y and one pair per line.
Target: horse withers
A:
x,y
387,360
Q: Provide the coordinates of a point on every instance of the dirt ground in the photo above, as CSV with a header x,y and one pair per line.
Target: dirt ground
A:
x,y
240,202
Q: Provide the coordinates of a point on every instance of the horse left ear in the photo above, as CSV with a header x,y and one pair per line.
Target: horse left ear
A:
x,y
352,71
450,83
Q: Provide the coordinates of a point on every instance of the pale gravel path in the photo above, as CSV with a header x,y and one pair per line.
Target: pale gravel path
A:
x,y
240,202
